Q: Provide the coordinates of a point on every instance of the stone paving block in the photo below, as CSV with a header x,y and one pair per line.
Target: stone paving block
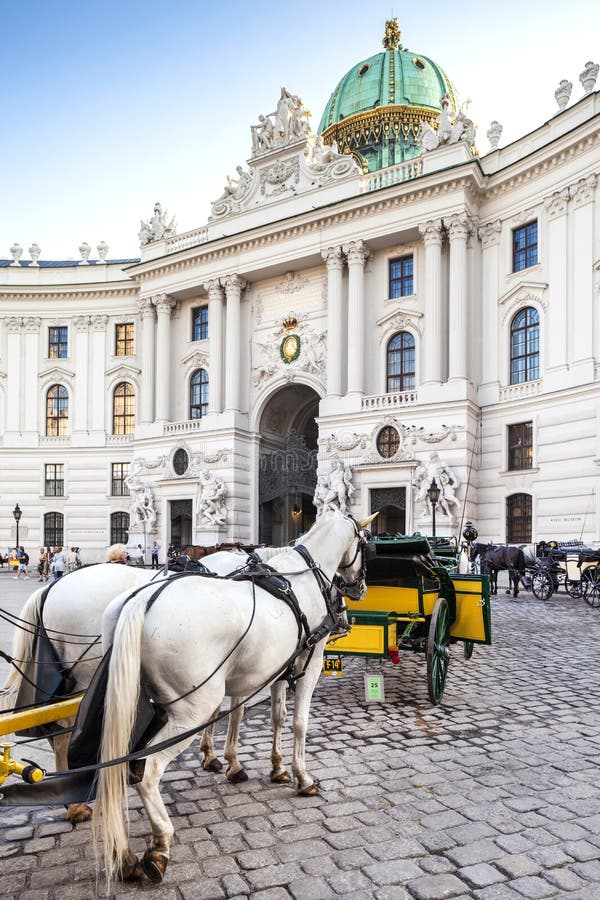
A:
x,y
273,876
396,871
588,870
436,865
345,882
497,892
310,889
470,854
565,879
518,865
203,889
440,821
436,887
582,851
397,848
234,886
480,875
533,887
549,857
352,859
215,866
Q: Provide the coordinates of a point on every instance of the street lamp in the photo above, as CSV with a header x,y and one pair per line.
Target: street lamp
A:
x,y
17,516
433,493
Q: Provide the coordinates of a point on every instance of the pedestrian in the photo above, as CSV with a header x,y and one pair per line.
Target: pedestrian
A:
x,y
154,550
23,559
140,555
78,562
13,561
42,562
59,563
117,553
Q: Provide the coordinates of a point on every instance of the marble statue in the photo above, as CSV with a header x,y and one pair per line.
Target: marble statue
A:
x,y
334,490
288,122
142,510
157,228
211,499
445,479
451,129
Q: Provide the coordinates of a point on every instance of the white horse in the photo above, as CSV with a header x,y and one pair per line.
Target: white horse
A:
x,y
226,639
72,616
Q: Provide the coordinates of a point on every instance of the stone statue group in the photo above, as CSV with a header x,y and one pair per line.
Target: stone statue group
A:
x,y
288,123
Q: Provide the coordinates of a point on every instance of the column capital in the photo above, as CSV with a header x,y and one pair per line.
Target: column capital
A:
x,y
489,234
164,303
81,323
357,252
99,322
334,257
31,325
459,226
234,284
582,191
14,324
431,232
145,306
214,288
556,204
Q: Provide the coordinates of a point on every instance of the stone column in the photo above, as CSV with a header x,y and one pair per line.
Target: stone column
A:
x,y
81,401
234,285
458,227
556,213
432,355
146,309
581,338
164,304
489,235
215,345
14,406
335,264
98,392
31,327
357,252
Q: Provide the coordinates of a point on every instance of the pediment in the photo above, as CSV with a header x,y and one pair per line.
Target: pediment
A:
x,y
525,291
59,373
196,358
400,311
123,371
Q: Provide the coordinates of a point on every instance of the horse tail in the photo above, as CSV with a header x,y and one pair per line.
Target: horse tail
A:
x,y
110,819
22,648
521,562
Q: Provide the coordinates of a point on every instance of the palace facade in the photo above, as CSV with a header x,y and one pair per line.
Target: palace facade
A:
x,y
367,308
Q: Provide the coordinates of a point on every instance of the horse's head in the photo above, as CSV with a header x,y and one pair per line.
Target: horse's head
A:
x,y
351,577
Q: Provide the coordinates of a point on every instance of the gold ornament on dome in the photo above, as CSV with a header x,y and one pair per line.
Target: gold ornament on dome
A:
x,y
379,125
392,36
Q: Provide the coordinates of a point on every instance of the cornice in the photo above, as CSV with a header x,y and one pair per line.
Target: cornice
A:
x,y
55,294
357,207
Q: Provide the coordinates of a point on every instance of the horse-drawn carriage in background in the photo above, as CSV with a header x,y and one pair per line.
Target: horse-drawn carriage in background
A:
x,y
416,601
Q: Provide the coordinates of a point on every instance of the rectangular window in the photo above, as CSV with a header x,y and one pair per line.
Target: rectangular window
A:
x,y
124,339
120,472
401,277
520,446
525,246
200,323
54,480
58,345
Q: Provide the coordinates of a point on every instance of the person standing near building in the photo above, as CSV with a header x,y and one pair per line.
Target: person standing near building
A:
x,y
59,563
140,555
154,549
23,563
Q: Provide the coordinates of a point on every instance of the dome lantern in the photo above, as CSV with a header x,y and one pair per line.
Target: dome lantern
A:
x,y
393,35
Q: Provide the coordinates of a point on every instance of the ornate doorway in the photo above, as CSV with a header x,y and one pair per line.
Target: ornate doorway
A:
x,y
390,503
181,523
288,464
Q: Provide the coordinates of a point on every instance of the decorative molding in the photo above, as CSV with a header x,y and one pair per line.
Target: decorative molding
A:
x,y
388,401
99,322
194,360
56,373
145,307
31,325
334,258
582,192
97,293
432,232
556,204
357,252
81,324
523,294
520,391
344,441
524,216
459,226
164,303
14,324
291,283
123,371
489,234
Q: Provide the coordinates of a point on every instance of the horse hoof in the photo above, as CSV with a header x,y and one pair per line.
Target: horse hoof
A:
x,y
507,592
237,777
154,864
280,777
215,765
311,791
78,813
131,869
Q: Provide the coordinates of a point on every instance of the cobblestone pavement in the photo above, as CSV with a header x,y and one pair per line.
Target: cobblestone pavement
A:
x,y
494,794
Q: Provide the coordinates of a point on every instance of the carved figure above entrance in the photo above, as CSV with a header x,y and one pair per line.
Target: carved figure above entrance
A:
x,y
335,490
298,349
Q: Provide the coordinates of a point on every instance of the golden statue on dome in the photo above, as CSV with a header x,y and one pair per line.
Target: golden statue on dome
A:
x,y
391,38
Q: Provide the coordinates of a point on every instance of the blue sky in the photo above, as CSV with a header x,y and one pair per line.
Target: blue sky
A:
x,y
109,107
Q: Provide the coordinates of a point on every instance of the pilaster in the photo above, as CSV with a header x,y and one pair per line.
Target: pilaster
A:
x,y
234,285
164,305
98,392
458,227
432,356
14,407
335,263
146,310
31,328
489,235
556,206
215,345
581,306
357,253
81,401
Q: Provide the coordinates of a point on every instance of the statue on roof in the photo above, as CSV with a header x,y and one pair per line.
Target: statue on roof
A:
x,y
157,227
452,127
288,123
392,36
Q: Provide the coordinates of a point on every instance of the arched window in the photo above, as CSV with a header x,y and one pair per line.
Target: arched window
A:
x,y
123,409
401,363
525,346
198,394
518,519
53,529
57,410
119,527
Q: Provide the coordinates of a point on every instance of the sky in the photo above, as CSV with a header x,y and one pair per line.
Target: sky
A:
x,y
110,107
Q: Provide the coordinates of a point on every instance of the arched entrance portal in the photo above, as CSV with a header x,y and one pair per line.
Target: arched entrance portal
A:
x,y
288,464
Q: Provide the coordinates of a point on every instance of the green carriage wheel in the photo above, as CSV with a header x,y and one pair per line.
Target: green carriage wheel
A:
x,y
468,649
438,650
541,585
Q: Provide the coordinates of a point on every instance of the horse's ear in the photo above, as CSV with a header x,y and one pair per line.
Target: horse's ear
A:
x,y
364,523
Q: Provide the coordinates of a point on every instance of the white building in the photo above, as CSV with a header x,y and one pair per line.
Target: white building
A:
x,y
386,309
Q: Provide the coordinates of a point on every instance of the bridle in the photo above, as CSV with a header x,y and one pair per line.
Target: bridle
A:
x,y
339,582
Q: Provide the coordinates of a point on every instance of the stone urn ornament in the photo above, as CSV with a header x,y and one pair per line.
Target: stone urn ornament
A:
x,y
85,251
34,253
563,94
16,251
102,249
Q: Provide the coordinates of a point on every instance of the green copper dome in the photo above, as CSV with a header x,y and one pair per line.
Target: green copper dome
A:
x,y
378,106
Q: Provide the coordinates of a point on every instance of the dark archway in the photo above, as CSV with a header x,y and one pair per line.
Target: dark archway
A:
x,y
288,464
390,503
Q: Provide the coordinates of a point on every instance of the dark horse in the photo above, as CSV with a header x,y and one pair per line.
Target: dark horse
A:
x,y
495,557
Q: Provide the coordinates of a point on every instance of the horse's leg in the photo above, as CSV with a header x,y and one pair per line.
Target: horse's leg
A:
x,y
235,771
76,812
279,775
305,785
210,761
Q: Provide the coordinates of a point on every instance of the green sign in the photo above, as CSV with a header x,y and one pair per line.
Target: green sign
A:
x,y
374,692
